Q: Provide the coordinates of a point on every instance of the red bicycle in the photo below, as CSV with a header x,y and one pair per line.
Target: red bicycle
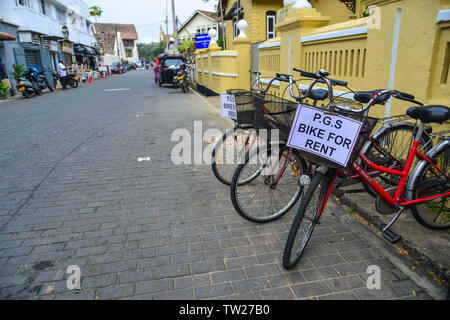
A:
x,y
424,190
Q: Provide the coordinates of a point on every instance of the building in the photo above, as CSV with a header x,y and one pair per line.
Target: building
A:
x,y
200,22
46,31
119,42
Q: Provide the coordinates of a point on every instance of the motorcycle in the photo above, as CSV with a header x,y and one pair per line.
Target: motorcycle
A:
x,y
42,80
72,79
28,84
183,78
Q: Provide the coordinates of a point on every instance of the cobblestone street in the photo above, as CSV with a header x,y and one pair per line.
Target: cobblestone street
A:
x,y
73,193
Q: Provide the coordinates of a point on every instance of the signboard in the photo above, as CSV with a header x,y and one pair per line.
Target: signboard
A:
x,y
331,137
202,41
25,37
53,46
228,103
66,47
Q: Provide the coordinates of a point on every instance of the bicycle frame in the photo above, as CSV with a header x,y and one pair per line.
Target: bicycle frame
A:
x,y
397,200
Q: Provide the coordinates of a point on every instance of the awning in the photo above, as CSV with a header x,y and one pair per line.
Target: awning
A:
x,y
6,37
81,49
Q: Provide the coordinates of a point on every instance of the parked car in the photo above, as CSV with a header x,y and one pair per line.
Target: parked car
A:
x,y
170,65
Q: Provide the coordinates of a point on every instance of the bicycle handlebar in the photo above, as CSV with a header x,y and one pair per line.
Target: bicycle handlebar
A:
x,y
316,76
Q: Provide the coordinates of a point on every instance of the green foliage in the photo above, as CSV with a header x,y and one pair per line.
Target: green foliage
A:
x,y
220,42
17,70
3,89
150,50
95,11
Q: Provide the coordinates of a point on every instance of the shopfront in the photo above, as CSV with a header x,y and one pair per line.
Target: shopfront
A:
x,y
86,55
67,50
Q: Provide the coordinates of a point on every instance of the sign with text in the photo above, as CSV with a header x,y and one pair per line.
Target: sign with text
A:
x,y
228,103
332,137
202,41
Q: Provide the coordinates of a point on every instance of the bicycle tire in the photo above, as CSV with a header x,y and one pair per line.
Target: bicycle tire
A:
x,y
419,214
289,260
216,163
238,195
387,136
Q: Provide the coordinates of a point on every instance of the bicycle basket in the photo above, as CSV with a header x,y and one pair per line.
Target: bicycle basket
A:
x,y
244,106
369,124
272,112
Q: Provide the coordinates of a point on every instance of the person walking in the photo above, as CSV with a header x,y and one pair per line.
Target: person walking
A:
x,y
63,74
4,76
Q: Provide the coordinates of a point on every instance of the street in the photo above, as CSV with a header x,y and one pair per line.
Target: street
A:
x,y
73,193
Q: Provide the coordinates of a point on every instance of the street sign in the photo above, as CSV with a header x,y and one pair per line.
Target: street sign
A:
x,y
202,41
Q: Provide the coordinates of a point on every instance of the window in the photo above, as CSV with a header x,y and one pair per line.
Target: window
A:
x,y
271,20
129,53
25,3
199,31
61,16
43,7
235,29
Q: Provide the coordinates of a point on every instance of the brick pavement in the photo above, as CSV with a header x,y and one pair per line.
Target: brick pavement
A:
x,y
72,193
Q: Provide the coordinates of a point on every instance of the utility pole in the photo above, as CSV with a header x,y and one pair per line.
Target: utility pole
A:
x,y
175,27
167,27
223,26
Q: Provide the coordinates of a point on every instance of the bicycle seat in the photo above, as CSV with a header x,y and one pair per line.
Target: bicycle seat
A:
x,y
366,96
317,94
430,114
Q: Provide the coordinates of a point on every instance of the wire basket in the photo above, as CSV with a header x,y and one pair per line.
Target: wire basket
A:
x,y
244,106
272,112
368,124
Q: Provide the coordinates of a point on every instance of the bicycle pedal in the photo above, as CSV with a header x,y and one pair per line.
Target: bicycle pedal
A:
x,y
391,236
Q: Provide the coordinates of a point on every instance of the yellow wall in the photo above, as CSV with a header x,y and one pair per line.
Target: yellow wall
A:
x,y
255,15
364,60
336,10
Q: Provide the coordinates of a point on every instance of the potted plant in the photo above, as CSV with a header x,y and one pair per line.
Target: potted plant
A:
x,y
17,71
3,91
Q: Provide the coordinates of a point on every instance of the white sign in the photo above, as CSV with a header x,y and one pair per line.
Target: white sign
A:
x,y
331,137
228,103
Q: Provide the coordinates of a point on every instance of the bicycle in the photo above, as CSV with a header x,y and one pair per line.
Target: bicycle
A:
x,y
427,185
237,142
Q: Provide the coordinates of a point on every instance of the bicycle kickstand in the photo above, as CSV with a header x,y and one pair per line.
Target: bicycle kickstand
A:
x,y
390,234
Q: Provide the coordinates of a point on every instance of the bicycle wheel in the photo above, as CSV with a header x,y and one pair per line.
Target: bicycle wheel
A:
x,y
397,141
433,214
255,194
309,212
229,152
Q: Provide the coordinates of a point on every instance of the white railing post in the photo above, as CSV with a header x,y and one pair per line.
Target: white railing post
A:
x,y
242,25
302,4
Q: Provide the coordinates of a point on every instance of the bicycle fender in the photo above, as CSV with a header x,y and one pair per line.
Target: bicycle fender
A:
x,y
412,181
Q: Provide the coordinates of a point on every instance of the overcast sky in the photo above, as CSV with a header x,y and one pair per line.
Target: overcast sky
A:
x,y
147,15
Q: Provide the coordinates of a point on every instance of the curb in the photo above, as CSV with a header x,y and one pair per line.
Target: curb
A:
x,y
413,249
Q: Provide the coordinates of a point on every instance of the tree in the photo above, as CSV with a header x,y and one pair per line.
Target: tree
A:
x,y
150,50
95,11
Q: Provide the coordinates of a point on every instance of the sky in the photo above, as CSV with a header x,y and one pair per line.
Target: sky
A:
x,y
147,15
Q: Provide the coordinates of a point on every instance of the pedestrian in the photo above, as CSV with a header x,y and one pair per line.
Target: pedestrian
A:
x,y
63,74
4,76
156,70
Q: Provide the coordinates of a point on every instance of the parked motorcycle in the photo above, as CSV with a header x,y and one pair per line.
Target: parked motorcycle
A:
x,y
27,88
72,79
42,80
183,78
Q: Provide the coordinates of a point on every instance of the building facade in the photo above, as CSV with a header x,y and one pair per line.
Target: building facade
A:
x,y
119,42
200,22
46,31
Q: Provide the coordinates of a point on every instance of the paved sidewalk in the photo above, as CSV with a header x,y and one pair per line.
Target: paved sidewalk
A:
x,y
73,193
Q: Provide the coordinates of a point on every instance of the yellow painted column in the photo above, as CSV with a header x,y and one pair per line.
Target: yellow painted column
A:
x,y
243,47
213,48
292,25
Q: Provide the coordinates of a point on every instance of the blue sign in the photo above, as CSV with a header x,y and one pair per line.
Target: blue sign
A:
x,y
202,41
